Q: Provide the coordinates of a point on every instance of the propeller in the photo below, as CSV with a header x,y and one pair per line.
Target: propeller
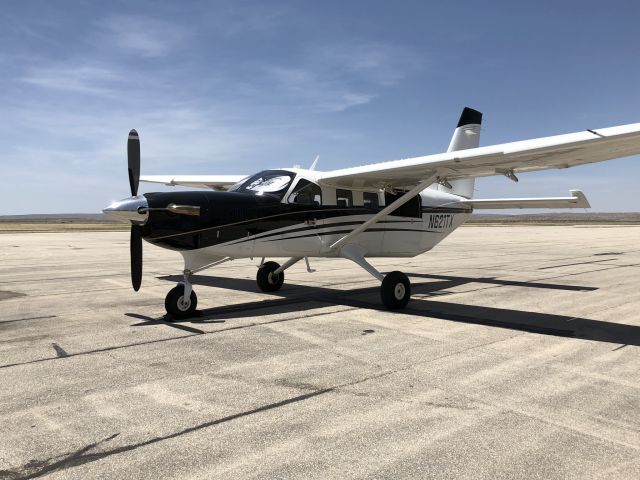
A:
x,y
135,248
133,159
135,245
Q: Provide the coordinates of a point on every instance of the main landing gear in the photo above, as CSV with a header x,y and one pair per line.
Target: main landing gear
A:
x,y
395,288
268,281
270,275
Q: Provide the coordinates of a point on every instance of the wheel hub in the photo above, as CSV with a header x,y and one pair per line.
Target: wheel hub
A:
x,y
183,304
399,291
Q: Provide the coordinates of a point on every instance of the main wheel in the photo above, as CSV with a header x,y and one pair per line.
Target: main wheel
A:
x,y
267,281
395,290
176,305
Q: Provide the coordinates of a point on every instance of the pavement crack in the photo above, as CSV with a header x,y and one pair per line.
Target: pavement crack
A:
x,y
27,319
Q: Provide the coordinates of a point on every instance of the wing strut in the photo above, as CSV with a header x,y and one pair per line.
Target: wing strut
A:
x,y
386,210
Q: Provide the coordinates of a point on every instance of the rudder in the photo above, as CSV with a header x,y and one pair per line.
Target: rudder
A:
x,y
466,135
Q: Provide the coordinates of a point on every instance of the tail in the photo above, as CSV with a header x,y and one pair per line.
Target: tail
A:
x,y
466,135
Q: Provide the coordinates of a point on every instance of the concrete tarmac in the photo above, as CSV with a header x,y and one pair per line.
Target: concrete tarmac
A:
x,y
518,357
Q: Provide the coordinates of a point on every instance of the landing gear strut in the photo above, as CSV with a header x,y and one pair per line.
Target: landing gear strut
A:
x,y
395,290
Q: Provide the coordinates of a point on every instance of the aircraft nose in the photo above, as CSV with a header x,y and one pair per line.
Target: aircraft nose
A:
x,y
128,210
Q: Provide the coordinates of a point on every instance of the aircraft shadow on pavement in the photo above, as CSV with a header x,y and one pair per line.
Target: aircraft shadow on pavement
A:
x,y
300,298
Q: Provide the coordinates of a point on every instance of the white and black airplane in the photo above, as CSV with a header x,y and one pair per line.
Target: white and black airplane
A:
x,y
400,208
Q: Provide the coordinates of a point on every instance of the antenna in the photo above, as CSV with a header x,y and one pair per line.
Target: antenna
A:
x,y
315,162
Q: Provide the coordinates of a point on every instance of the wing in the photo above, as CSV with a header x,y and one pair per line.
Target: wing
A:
x,y
561,151
215,182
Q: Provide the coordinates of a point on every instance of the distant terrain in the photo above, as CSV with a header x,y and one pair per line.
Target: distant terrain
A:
x,y
99,222
63,222
622,218
57,218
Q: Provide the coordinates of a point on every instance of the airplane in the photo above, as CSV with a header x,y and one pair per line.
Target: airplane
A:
x,y
398,208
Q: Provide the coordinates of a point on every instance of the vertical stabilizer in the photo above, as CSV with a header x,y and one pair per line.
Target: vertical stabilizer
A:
x,y
466,135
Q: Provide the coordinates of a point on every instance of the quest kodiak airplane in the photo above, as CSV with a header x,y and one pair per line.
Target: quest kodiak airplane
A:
x,y
400,208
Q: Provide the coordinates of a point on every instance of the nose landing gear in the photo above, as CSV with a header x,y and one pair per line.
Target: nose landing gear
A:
x,y
179,306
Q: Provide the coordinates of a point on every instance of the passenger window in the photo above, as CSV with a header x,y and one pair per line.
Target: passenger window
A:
x,y
344,198
306,193
413,208
371,200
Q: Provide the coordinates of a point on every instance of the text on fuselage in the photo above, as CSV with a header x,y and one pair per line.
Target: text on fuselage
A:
x,y
441,220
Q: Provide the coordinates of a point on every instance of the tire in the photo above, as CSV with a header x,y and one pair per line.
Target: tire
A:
x,y
395,290
266,280
175,306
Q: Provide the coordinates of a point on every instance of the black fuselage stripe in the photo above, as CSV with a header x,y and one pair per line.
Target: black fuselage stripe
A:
x,y
337,232
261,236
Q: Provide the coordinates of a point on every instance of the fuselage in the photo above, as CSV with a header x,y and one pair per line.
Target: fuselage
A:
x,y
300,218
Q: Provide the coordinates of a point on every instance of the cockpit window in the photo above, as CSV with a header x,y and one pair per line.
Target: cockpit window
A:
x,y
267,182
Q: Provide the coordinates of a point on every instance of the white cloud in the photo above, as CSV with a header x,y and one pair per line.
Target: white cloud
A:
x,y
144,36
88,79
234,18
383,64
310,89
333,78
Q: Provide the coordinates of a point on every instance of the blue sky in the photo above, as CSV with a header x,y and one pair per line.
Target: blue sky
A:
x,y
232,87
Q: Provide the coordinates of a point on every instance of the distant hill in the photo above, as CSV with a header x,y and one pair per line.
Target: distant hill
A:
x,y
557,218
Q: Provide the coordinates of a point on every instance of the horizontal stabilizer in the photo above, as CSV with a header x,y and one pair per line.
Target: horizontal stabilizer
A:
x,y
215,182
576,200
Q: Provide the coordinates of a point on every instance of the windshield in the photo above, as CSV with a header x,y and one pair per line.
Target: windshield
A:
x,y
269,182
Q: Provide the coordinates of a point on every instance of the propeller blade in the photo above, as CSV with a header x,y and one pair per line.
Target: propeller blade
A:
x,y
133,158
136,256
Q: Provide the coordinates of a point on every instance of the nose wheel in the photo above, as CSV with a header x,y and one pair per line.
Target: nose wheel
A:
x,y
179,307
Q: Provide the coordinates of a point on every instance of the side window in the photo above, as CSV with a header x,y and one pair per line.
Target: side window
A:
x,y
344,198
413,208
306,193
371,200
